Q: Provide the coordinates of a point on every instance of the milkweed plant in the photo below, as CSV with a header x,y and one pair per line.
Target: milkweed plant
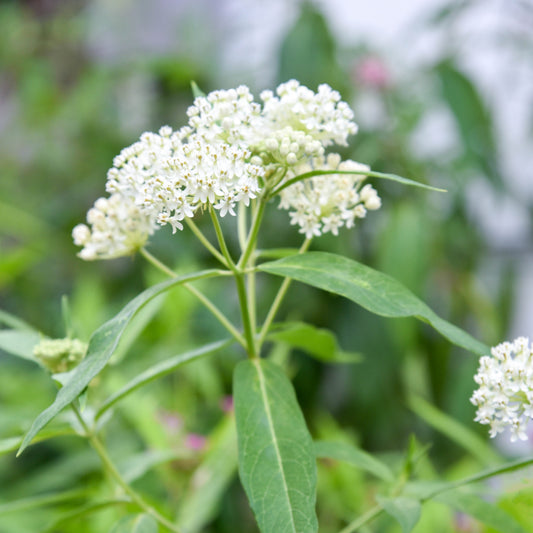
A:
x,y
237,158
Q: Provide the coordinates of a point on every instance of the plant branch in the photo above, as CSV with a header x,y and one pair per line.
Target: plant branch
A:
x,y
363,519
202,238
113,472
217,313
277,300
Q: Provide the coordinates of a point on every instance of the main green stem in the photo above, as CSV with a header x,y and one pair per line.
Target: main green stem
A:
x,y
241,287
113,472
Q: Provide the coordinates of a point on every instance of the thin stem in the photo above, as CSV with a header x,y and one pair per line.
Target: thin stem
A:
x,y
246,314
200,295
113,472
202,238
221,240
241,225
250,282
277,300
363,519
252,236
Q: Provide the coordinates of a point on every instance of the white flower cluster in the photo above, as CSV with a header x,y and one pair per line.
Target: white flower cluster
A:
x,y
328,202
118,227
505,395
227,152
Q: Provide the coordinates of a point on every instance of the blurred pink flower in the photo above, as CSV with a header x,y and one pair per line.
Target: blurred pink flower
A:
x,y
171,421
372,72
194,441
226,404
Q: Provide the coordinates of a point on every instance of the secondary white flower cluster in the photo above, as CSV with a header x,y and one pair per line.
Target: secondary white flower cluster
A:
x,y
229,150
505,395
328,202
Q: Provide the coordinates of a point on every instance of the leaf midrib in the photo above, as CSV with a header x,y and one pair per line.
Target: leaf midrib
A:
x,y
262,387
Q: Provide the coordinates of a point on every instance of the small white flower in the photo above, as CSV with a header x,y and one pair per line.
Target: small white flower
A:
x,y
504,398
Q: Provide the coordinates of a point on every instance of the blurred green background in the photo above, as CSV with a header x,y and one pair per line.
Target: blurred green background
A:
x,y
79,80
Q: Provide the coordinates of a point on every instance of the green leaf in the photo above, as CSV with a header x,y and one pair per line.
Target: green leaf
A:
x,y
211,479
140,523
275,253
196,91
369,173
308,52
12,321
101,346
319,343
342,451
84,510
19,342
485,512
12,443
42,500
369,288
277,463
159,370
454,430
472,118
136,466
405,510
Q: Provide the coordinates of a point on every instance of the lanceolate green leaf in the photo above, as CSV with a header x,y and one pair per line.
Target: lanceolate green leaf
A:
x,y
159,370
276,454
101,346
369,288
210,480
317,342
369,173
342,451
19,342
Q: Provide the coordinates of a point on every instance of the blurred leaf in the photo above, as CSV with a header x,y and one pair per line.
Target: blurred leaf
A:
x,y
101,346
19,342
373,290
454,430
140,523
12,443
347,453
88,509
12,321
472,118
134,468
276,253
318,343
211,479
41,500
308,52
405,510
277,463
159,370
520,506
486,512
196,91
